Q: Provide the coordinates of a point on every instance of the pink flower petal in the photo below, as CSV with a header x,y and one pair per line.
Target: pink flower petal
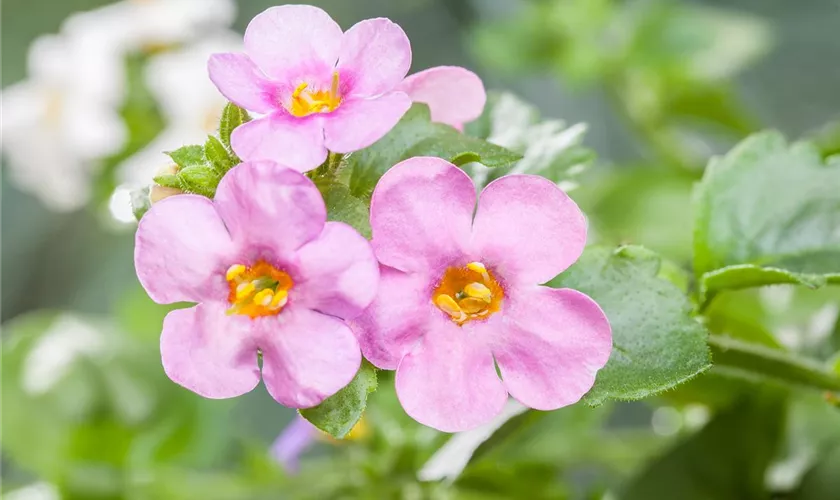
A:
x,y
296,142
375,57
337,272
390,327
209,352
290,36
358,123
420,213
180,250
239,79
551,344
528,229
266,206
449,381
455,95
307,357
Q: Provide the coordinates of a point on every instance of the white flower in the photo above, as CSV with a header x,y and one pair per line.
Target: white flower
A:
x,y
134,25
59,122
190,103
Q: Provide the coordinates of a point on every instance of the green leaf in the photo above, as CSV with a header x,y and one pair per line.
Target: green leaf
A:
x,y
726,460
548,147
188,156
342,206
199,179
232,117
416,135
767,213
340,412
656,342
217,155
140,202
169,180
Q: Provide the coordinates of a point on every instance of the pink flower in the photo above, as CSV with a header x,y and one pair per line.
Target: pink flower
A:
x,y
269,274
460,294
455,95
319,89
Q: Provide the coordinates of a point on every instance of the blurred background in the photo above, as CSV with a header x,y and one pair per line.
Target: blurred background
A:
x,y
94,91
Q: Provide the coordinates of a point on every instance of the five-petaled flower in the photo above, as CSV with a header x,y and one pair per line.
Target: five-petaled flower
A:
x,y
459,295
269,274
319,89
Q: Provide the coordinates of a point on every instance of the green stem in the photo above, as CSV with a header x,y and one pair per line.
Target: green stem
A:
x,y
749,359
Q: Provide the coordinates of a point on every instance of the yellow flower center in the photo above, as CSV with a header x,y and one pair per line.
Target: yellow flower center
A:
x,y
258,290
468,293
306,102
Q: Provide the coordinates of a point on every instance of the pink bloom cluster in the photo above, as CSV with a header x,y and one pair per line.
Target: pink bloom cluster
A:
x,y
315,86
443,296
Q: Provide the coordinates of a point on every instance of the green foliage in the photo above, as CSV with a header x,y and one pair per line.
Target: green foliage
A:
x,y
766,213
342,206
232,117
742,439
188,156
340,412
656,342
417,135
84,406
140,202
548,147
143,119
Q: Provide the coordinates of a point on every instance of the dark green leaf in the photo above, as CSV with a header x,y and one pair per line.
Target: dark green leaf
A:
x,y
767,213
342,206
140,202
656,342
188,156
340,412
232,117
726,460
822,481
217,155
416,135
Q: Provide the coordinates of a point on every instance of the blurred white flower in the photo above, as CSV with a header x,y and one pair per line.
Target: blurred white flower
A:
x,y
134,25
63,119
190,103
59,121
68,339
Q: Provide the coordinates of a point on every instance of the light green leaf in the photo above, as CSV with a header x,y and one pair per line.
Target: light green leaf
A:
x,y
416,135
217,155
767,213
656,342
340,412
726,460
168,180
199,179
188,156
549,148
140,202
342,206
232,117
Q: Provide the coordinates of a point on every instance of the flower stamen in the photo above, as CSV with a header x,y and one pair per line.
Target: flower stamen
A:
x,y
258,290
468,293
306,102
